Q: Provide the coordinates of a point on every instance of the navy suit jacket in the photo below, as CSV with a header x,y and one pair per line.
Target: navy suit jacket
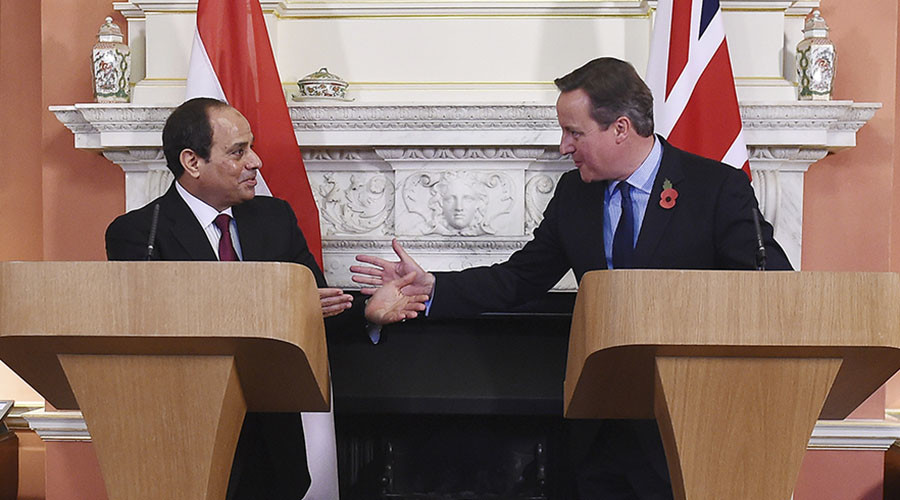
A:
x,y
710,227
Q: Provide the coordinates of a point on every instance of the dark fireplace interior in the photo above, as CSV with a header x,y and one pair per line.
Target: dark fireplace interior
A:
x,y
457,409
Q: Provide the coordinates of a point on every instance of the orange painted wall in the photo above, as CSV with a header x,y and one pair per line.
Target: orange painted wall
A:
x,y
82,191
20,140
76,472
850,215
841,475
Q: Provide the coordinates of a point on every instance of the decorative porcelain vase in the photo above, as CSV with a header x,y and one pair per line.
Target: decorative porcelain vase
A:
x,y
111,66
816,60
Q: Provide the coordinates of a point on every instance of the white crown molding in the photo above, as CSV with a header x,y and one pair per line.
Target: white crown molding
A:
x,y
137,9
15,420
58,425
854,435
842,435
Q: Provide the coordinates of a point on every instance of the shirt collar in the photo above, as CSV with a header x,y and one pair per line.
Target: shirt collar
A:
x,y
642,178
204,213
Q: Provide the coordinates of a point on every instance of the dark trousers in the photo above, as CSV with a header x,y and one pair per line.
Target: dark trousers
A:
x,y
625,461
270,459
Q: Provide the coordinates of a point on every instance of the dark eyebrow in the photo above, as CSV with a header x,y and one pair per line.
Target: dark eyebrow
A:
x,y
238,145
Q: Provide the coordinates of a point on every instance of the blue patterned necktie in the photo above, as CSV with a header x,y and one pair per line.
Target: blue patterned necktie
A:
x,y
623,241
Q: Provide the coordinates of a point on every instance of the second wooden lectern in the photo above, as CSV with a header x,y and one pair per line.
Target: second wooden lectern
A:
x,y
165,358
735,366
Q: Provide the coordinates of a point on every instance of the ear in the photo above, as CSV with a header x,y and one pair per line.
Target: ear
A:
x,y
622,127
191,162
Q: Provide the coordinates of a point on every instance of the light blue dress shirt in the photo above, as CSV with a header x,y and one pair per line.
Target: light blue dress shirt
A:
x,y
641,181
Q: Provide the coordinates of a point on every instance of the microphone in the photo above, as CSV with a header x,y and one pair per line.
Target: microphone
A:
x,y
153,223
760,246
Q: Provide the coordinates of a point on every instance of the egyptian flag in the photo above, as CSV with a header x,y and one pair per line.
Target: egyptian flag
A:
x,y
232,60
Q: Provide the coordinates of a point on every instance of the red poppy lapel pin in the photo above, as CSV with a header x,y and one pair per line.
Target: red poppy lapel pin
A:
x,y
668,196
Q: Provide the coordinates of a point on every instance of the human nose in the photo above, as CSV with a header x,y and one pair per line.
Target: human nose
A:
x,y
565,144
254,161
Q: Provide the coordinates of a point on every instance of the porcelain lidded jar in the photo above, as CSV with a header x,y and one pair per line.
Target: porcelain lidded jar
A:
x,y
816,60
111,65
321,85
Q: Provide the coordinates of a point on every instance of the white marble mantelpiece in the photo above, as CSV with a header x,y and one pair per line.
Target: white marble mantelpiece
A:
x,y
377,170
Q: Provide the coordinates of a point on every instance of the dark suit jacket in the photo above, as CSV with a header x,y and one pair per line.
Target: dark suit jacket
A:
x,y
270,460
267,228
710,227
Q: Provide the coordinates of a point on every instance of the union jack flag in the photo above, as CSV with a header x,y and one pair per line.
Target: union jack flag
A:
x,y
695,105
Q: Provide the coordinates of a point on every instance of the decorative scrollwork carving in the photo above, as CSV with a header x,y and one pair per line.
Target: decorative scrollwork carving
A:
x,y
360,203
538,191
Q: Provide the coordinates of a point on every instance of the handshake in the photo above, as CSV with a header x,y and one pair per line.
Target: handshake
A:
x,y
397,290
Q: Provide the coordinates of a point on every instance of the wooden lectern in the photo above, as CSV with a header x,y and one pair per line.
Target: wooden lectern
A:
x,y
735,366
164,359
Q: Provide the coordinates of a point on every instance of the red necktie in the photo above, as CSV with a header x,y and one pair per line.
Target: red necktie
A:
x,y
226,249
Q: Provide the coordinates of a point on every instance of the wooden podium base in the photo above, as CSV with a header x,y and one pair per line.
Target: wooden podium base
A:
x,y
771,406
152,447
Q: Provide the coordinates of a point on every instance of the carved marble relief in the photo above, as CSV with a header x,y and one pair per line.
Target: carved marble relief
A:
x,y
354,203
539,188
456,203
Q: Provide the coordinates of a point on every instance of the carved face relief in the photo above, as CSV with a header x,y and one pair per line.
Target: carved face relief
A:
x,y
459,203
455,203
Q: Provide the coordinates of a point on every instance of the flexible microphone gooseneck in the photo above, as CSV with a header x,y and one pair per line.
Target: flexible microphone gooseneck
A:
x,y
152,239
760,246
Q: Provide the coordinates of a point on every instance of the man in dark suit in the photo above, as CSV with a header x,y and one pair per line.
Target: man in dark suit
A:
x,y
634,201
211,212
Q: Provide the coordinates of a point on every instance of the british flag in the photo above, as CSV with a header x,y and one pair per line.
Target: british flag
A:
x,y
694,100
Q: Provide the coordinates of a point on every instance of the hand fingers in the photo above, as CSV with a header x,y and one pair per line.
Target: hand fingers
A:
x,y
368,290
333,306
375,261
417,302
372,271
329,292
398,249
365,280
345,300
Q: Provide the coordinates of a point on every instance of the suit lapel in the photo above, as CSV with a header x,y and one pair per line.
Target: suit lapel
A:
x,y
249,233
185,229
657,218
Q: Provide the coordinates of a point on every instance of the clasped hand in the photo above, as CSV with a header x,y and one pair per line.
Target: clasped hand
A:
x,y
398,289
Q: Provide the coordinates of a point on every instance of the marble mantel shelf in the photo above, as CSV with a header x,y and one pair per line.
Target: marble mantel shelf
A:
x,y
830,125
380,170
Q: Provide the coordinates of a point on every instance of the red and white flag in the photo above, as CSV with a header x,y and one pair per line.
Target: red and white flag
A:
x,y
232,60
695,105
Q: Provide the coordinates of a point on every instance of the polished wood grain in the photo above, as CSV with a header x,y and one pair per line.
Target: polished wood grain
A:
x,y
189,408
735,366
165,358
738,427
265,314
624,319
